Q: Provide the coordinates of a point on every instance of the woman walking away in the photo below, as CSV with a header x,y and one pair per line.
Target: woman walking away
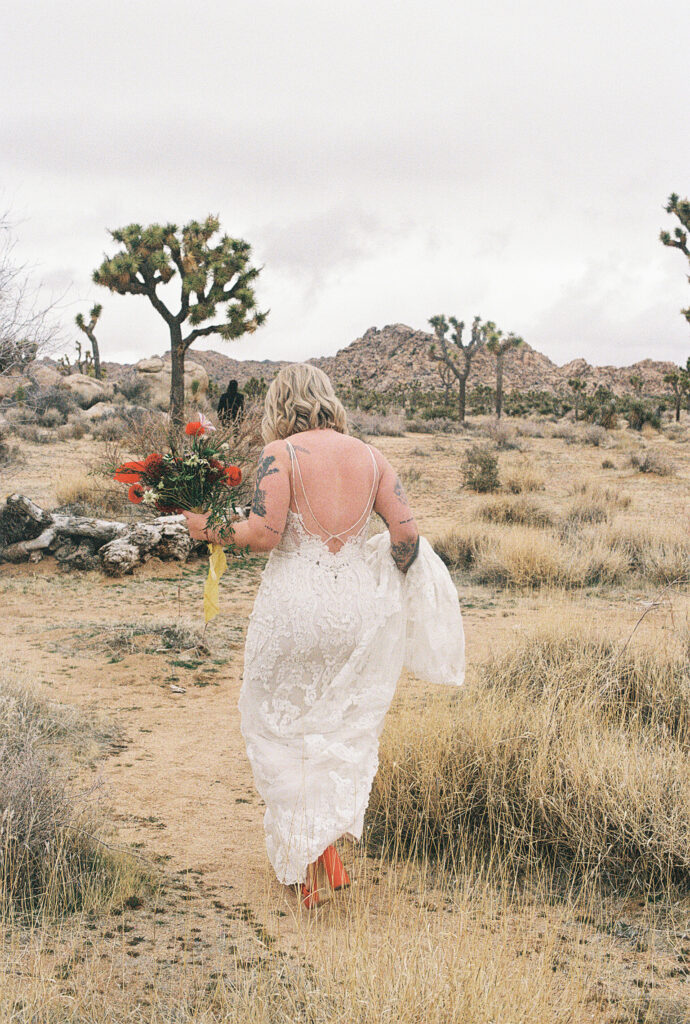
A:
x,y
335,619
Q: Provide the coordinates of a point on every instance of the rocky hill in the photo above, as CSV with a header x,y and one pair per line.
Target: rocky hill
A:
x,y
396,354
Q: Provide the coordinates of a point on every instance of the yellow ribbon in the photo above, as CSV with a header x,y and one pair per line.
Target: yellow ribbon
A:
x,y
217,564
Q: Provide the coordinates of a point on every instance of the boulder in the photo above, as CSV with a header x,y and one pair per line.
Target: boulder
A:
x,y
99,411
44,375
86,390
156,375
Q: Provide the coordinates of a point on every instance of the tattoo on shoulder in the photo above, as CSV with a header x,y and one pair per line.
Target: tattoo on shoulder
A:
x,y
404,553
265,468
301,448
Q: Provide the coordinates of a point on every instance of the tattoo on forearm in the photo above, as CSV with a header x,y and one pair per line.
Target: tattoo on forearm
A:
x,y
404,553
403,522
264,469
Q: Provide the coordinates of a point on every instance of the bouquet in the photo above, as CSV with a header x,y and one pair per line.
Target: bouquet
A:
x,y
195,478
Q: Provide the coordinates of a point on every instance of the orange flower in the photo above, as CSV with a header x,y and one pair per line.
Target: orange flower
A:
x,y
194,429
153,466
136,494
130,472
233,476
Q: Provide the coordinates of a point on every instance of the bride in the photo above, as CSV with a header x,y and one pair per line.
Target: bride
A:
x,y
335,619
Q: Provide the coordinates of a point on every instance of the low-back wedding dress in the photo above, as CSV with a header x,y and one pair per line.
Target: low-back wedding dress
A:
x,y
328,637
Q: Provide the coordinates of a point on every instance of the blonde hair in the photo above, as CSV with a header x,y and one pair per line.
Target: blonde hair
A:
x,y
301,398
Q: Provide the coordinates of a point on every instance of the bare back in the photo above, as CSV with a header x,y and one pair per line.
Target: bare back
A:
x,y
332,481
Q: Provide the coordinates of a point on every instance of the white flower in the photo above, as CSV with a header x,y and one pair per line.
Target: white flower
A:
x,y
206,423
149,498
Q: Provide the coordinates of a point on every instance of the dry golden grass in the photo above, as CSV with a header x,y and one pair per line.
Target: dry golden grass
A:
x,y
569,749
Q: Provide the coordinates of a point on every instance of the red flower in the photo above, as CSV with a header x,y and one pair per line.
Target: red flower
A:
x,y
153,466
195,429
130,472
136,494
233,476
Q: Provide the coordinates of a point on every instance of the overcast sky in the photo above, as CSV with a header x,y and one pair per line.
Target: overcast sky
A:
x,y
387,161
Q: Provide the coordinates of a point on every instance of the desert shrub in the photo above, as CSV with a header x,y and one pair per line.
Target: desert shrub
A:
x,y
530,428
594,435
565,431
52,402
649,460
657,553
412,475
435,425
71,431
597,492
502,435
50,863
50,418
110,428
639,414
457,548
569,752
9,453
480,469
529,557
133,388
37,436
524,478
676,432
607,464
521,510
378,424
420,453
587,509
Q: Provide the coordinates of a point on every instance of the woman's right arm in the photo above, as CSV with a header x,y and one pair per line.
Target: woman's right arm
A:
x,y
391,504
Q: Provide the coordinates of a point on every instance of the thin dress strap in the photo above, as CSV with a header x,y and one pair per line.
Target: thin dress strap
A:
x,y
331,536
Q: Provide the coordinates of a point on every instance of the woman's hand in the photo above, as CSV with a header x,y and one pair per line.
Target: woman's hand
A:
x,y
197,525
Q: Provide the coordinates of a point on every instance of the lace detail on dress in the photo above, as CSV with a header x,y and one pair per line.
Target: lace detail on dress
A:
x,y
323,654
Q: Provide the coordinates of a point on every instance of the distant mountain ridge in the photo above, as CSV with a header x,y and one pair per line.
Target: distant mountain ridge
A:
x,y
386,357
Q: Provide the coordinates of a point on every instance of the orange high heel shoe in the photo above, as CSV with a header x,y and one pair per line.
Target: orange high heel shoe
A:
x,y
309,890
338,877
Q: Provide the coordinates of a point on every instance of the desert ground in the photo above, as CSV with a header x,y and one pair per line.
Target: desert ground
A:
x,y
208,933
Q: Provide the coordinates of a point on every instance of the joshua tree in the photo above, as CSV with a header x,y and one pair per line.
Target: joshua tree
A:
x,y
210,276
89,329
447,380
678,380
636,383
455,353
679,240
578,387
498,346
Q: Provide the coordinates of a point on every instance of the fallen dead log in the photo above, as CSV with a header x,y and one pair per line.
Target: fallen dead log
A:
x,y
27,532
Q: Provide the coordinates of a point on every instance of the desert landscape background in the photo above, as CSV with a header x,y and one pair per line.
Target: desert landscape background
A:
x,y
527,846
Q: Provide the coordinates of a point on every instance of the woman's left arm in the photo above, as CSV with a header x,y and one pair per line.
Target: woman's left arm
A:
x,y
264,527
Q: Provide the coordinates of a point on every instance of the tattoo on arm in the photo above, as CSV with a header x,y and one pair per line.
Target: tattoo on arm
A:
x,y
267,527
404,553
398,490
264,469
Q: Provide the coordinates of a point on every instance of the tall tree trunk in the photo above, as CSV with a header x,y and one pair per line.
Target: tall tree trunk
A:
x,y
678,398
462,388
176,374
96,356
499,385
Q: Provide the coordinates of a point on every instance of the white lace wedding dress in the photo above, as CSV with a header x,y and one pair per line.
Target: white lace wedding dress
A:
x,y
327,640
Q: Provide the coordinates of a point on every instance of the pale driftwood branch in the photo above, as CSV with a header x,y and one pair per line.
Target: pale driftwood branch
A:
x,y
83,542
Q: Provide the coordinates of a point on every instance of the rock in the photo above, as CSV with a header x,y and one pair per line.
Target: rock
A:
x,y
156,375
99,411
44,375
86,390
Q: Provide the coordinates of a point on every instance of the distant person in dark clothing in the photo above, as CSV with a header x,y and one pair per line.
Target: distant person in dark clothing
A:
x,y
231,404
